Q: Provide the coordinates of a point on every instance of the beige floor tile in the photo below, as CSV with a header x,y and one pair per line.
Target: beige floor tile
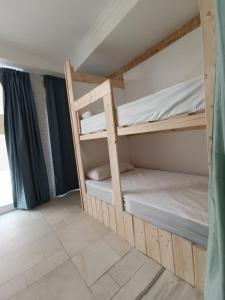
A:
x,y
127,266
16,218
104,288
95,260
81,234
45,266
142,280
27,257
23,234
70,200
169,286
117,244
64,283
68,215
13,286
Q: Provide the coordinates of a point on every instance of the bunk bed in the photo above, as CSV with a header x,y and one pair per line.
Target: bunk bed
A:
x,y
181,251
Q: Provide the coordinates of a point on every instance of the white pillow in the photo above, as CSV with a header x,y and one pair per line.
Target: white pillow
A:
x,y
86,114
125,166
103,172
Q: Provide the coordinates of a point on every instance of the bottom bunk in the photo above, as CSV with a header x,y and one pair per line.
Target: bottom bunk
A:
x,y
165,217
176,202
178,255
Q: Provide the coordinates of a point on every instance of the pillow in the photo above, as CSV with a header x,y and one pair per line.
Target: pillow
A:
x,y
125,166
103,172
86,114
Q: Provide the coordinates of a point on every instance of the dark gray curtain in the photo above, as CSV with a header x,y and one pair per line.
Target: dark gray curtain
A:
x,y
26,160
65,171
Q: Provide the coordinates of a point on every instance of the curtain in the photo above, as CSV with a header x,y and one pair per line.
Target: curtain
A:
x,y
65,173
215,267
26,160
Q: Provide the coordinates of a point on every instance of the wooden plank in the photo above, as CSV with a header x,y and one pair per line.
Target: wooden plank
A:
x,y
166,250
2,130
94,135
94,95
129,228
112,218
89,204
173,37
171,287
94,208
99,210
114,161
89,78
209,61
74,118
183,259
105,214
183,122
199,266
152,242
139,234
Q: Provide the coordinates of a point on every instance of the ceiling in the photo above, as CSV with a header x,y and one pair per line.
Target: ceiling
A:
x,y
98,35
50,27
146,24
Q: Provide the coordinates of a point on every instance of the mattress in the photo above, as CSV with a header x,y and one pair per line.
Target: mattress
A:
x,y
175,202
185,97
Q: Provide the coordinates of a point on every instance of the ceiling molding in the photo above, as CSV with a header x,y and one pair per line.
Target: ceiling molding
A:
x,y
106,22
14,55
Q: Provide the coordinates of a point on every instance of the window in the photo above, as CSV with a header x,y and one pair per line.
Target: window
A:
x,y
5,181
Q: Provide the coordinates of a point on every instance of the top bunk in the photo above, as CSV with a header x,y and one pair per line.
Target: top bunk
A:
x,y
178,107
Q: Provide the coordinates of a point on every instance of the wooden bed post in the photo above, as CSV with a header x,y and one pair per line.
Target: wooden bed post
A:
x,y
114,160
76,137
209,59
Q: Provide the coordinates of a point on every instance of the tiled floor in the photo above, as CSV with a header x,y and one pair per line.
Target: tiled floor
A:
x,y
57,252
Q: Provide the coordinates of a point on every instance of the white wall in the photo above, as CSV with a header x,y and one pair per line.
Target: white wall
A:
x,y
183,151
178,62
30,61
178,151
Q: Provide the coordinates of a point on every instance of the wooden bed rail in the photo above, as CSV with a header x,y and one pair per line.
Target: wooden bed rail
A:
x,y
93,96
90,78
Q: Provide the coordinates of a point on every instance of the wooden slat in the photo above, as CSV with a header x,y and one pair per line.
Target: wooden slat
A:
x,y
166,250
139,235
112,218
176,35
89,205
99,210
94,208
105,214
209,59
89,78
94,135
183,259
199,266
183,122
2,130
114,161
129,228
74,118
152,242
94,95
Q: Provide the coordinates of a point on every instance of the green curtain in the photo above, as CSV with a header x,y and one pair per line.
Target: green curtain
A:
x,y
215,268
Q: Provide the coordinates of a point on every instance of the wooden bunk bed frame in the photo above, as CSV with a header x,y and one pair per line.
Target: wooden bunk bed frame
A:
x,y
175,253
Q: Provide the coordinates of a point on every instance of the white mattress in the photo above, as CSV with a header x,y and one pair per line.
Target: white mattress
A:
x,y
185,97
176,202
